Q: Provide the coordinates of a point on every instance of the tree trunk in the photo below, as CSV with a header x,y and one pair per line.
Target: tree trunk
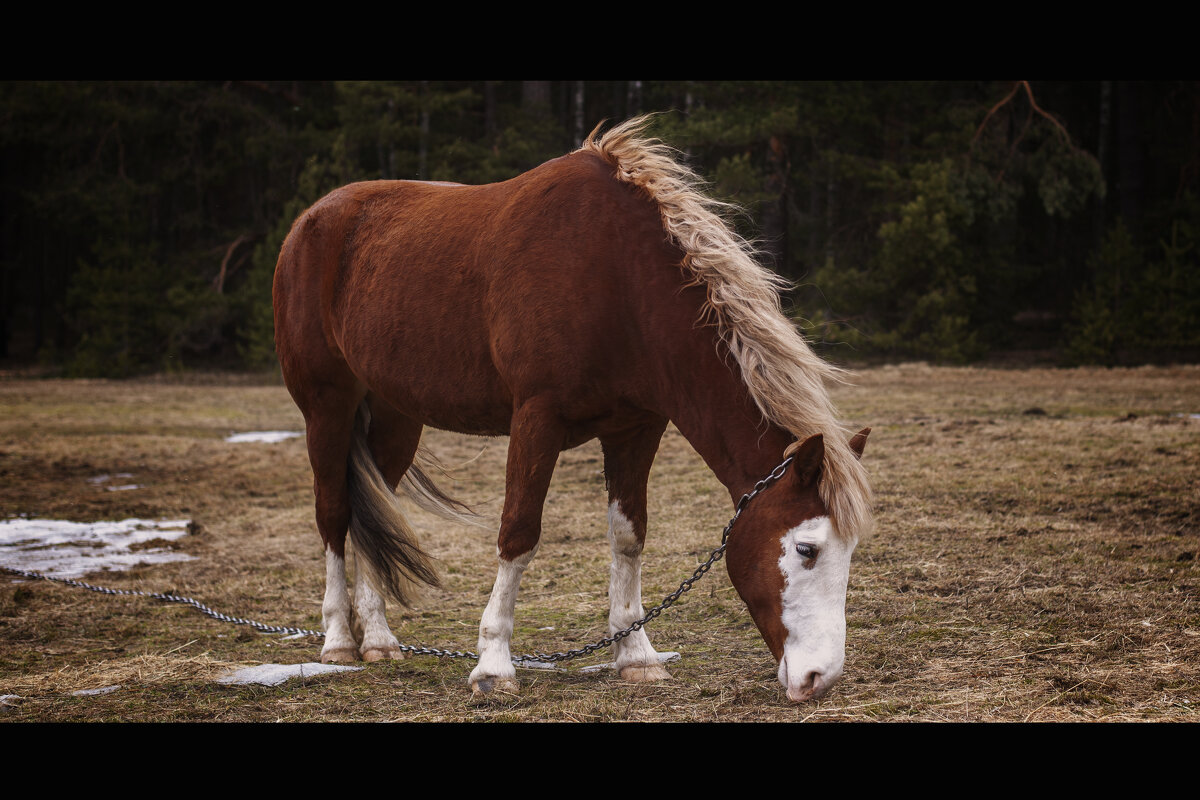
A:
x,y
1130,171
830,191
633,98
489,112
579,131
774,211
423,146
535,97
1102,156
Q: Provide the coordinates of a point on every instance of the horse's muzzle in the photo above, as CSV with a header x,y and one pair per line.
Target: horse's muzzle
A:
x,y
807,684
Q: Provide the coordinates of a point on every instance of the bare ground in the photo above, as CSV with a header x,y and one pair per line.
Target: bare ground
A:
x,y
1035,560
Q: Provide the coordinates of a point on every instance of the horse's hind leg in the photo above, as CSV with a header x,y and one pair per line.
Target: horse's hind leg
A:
x,y
330,425
627,461
393,441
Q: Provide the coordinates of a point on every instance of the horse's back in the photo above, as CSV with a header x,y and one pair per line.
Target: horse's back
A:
x,y
454,302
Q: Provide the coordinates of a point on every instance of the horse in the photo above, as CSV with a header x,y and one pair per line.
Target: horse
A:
x,y
602,295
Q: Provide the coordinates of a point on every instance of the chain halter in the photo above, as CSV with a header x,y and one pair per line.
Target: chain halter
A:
x,y
548,658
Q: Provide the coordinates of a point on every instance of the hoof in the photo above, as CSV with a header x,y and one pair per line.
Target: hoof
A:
x,y
339,655
384,654
644,673
490,687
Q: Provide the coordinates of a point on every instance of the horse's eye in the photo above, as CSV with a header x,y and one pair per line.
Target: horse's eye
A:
x,y
806,550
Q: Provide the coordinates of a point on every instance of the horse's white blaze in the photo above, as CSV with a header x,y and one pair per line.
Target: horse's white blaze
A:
x,y
335,610
814,609
496,627
369,605
625,590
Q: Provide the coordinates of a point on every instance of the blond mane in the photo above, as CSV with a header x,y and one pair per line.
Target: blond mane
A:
x,y
781,372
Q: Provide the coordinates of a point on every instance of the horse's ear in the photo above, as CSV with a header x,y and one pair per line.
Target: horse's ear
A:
x,y
807,458
859,441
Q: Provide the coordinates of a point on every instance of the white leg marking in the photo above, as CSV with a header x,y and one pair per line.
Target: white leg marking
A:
x,y
335,610
495,669
636,659
378,642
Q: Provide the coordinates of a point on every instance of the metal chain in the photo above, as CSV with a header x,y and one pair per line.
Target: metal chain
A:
x,y
670,599
607,641
169,598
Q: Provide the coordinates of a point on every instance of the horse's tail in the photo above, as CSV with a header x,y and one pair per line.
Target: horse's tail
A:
x,y
379,529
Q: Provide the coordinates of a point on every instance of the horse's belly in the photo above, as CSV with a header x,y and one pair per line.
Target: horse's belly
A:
x,y
443,384
459,411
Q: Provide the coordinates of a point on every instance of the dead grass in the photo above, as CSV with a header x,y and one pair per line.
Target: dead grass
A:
x,y
1027,566
140,671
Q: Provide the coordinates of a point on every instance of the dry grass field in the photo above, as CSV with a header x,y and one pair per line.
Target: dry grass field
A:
x,y
1035,560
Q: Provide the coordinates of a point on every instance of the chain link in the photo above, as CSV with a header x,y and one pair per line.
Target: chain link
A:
x,y
548,658
670,599
169,598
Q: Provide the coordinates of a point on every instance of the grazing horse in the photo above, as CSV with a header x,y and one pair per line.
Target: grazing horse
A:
x,y
600,295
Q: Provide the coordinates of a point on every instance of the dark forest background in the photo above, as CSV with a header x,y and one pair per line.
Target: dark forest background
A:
x,y
948,221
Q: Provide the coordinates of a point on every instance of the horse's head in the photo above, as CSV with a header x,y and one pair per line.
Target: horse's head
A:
x,y
791,567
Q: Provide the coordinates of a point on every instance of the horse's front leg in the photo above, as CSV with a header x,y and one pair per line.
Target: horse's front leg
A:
x,y
627,461
536,439
495,671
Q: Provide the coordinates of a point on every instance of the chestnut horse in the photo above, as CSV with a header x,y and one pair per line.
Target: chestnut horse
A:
x,y
599,295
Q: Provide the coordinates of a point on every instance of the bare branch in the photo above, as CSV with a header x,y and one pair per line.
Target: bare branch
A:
x,y
995,108
1017,85
219,281
1038,109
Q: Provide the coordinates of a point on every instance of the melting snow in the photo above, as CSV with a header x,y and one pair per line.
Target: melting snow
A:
x,y
100,480
262,436
663,658
71,549
275,674
91,692
530,663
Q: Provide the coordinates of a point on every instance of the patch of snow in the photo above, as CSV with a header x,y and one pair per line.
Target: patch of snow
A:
x,y
534,664
99,479
10,700
92,692
275,674
663,658
262,436
72,549
1188,416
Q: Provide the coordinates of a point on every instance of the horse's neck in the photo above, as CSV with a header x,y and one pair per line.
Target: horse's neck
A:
x,y
711,407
